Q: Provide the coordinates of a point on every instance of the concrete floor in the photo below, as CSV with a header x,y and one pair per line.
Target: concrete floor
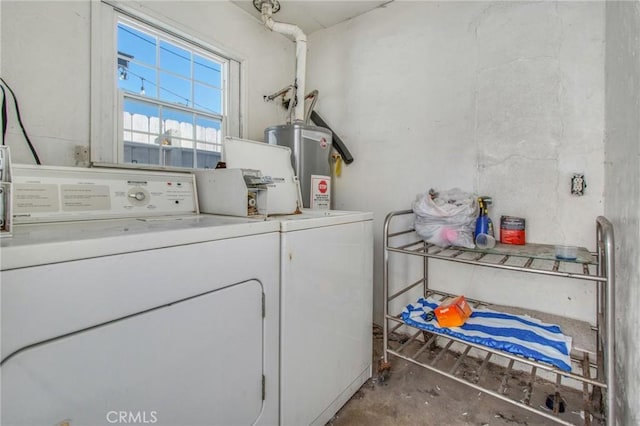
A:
x,y
411,395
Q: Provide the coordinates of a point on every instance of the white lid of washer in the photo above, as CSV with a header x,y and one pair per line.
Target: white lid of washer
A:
x,y
320,218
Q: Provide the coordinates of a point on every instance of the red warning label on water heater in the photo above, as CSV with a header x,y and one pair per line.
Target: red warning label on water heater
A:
x,y
320,192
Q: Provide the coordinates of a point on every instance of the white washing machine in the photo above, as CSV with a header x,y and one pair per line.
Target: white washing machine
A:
x,y
326,299
156,320
326,292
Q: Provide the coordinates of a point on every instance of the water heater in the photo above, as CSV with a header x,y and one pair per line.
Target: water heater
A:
x,y
310,156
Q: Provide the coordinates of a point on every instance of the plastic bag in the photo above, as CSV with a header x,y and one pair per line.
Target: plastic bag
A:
x,y
446,218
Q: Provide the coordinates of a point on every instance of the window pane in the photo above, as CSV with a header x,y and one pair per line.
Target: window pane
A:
x,y
148,109
140,122
175,89
138,78
208,134
208,123
207,99
175,59
207,71
137,153
140,132
177,124
178,134
139,46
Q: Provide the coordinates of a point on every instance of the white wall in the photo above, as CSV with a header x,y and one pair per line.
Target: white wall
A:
x,y
499,98
622,177
45,58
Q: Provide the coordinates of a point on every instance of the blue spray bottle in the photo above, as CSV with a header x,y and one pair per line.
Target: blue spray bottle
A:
x,y
484,225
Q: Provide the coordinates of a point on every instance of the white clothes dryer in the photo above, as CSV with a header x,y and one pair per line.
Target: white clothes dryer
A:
x,y
163,320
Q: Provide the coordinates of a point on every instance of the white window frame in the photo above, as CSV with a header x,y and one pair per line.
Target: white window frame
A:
x,y
107,146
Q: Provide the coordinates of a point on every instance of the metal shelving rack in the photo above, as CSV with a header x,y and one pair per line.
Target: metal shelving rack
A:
x,y
595,375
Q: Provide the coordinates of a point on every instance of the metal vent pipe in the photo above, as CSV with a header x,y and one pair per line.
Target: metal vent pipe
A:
x,y
267,10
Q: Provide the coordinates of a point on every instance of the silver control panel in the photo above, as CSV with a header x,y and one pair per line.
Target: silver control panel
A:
x,y
53,194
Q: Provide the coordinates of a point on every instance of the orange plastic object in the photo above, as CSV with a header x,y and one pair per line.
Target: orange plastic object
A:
x,y
453,313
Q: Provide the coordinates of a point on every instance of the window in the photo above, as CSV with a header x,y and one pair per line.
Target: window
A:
x,y
174,98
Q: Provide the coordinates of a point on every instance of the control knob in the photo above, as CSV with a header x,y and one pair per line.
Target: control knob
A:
x,y
138,196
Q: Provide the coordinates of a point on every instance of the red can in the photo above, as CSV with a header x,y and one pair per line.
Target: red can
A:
x,y
512,230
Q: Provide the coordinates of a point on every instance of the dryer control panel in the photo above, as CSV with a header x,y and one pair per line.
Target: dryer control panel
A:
x,y
54,194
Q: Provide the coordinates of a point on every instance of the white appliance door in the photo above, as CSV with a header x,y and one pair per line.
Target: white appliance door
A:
x,y
326,319
166,366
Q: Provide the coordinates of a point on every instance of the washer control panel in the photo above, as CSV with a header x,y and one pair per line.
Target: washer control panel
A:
x,y
53,194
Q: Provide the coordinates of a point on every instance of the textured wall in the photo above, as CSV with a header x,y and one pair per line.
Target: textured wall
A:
x,y
622,189
539,114
500,98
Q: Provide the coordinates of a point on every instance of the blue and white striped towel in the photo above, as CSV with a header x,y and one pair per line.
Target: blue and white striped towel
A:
x,y
517,334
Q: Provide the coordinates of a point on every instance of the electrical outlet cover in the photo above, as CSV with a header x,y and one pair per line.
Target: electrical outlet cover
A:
x,y
578,184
